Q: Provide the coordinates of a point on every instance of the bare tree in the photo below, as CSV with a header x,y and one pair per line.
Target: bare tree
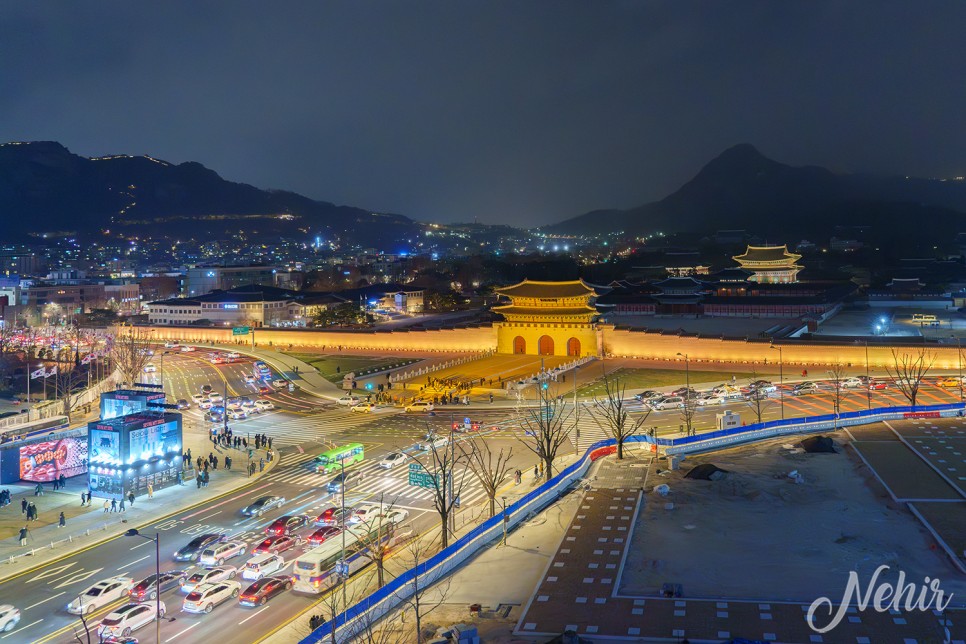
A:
x,y
612,415
128,351
377,536
688,409
68,386
440,464
839,392
7,349
490,469
416,597
757,398
546,428
908,370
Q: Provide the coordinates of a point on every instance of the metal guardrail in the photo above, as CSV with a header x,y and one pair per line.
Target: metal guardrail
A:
x,y
69,539
386,599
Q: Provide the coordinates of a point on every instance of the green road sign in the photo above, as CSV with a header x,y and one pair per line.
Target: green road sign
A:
x,y
240,330
420,477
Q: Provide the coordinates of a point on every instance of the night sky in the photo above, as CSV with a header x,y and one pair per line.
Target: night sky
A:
x,y
522,112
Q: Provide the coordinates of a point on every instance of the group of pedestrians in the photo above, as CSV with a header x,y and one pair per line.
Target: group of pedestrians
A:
x,y
28,509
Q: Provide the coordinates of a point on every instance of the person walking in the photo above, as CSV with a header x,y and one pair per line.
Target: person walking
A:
x,y
269,442
63,481
540,464
228,462
198,480
107,506
130,497
39,490
114,505
83,498
23,506
122,508
62,521
536,474
23,536
150,491
261,465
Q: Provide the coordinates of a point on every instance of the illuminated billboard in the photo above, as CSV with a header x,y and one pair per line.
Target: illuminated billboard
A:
x,y
47,461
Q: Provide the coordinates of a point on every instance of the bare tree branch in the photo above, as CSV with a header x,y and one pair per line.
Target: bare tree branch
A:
x,y
612,415
440,462
129,352
490,469
908,371
546,428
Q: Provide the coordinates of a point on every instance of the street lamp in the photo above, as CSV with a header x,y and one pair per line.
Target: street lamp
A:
x,y
133,532
868,381
687,388
959,347
781,379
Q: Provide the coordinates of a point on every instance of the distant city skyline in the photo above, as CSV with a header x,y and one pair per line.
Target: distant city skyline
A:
x,y
525,114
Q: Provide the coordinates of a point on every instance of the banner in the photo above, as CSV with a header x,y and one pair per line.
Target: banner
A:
x,y
43,462
40,373
87,359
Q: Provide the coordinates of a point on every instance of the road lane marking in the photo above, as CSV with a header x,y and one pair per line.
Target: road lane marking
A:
x,y
45,600
22,628
143,543
177,635
253,615
133,562
210,515
223,502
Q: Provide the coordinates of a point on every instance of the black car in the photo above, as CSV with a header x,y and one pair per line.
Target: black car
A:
x,y
147,588
262,505
264,589
183,403
287,524
193,550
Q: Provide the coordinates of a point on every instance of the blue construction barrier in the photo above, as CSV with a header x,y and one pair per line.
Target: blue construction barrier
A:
x,y
388,598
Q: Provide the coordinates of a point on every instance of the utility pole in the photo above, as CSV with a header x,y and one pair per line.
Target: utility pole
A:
x,y
781,378
576,415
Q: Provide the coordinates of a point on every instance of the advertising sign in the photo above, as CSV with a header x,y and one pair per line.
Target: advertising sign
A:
x,y
46,461
105,445
154,439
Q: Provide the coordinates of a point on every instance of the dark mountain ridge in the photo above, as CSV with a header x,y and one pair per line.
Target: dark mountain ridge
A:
x,y
46,188
741,188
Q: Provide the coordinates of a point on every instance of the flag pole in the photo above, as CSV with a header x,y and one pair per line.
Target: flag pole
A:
x,y
30,376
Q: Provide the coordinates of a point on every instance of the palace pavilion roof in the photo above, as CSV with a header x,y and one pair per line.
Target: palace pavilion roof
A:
x,y
554,311
767,254
551,290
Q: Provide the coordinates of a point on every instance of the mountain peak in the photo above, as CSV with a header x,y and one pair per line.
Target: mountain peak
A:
x,y
738,159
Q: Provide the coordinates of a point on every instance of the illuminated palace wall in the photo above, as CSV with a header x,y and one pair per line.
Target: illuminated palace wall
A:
x,y
447,340
622,343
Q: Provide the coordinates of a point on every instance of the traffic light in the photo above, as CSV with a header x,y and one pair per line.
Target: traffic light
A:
x,y
546,385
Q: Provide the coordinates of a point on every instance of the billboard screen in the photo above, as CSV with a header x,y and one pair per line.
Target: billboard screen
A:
x,y
46,461
154,440
105,445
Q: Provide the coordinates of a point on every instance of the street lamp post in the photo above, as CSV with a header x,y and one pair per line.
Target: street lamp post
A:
x,y
133,532
503,498
781,379
687,387
868,381
959,351
576,415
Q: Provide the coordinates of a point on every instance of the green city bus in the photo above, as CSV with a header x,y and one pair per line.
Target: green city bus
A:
x,y
333,459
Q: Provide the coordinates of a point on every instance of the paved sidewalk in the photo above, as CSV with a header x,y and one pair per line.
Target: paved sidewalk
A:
x,y
86,526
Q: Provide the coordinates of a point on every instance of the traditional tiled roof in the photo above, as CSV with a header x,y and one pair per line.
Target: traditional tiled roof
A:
x,y
545,310
549,290
767,254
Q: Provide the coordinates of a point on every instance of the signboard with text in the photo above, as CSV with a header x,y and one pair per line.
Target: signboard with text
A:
x,y
420,477
241,330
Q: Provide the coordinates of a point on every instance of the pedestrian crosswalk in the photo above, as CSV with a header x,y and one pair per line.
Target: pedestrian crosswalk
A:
x,y
392,484
287,429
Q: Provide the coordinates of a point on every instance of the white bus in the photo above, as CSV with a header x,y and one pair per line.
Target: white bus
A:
x,y
315,571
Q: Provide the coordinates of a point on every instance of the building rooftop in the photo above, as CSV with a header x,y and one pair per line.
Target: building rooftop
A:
x,y
551,290
545,310
767,254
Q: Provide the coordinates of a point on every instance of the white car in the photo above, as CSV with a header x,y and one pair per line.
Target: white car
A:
x,y
364,408
348,400
668,402
249,379
187,349
437,443
420,405
150,368
237,413
392,460
396,515
205,403
170,345
264,405
215,554
216,397
197,398
365,512
205,597
9,618
208,576
853,383
279,384
129,618
100,594
232,355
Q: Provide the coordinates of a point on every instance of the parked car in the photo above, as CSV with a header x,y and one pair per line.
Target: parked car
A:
x,y
334,516
419,406
264,589
194,548
323,534
262,505
287,524
344,480
148,588
100,594
277,544
205,597
128,619
391,460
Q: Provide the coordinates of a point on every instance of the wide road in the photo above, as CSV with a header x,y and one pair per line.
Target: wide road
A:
x,y
302,426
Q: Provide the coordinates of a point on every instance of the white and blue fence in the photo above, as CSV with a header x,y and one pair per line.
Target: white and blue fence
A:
x,y
388,598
